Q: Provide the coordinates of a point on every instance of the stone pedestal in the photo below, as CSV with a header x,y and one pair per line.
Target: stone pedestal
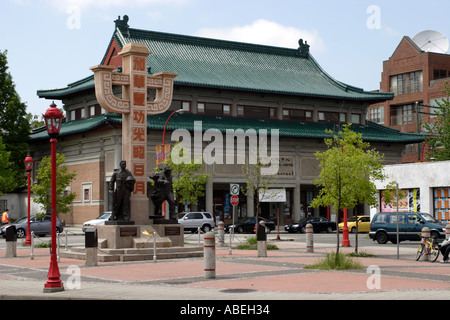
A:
x,y
131,236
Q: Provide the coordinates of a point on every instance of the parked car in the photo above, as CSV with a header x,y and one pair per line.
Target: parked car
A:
x,y
363,224
191,221
99,221
247,225
40,226
383,227
319,224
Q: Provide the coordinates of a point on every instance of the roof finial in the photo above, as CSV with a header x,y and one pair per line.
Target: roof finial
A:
x,y
304,47
122,24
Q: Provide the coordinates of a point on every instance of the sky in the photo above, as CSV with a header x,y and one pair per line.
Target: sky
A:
x,y
52,43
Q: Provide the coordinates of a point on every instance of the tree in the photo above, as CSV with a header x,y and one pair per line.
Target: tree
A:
x,y
348,169
257,184
439,139
188,184
7,179
43,187
14,122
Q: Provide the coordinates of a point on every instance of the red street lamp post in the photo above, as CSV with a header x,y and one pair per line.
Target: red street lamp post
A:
x,y
164,146
164,132
28,167
53,119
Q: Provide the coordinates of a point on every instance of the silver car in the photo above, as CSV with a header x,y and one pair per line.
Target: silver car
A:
x,y
40,226
194,220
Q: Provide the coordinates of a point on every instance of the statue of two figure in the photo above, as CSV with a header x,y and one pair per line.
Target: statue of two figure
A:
x,y
163,191
122,186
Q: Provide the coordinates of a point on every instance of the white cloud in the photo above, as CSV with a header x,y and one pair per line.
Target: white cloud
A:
x,y
267,33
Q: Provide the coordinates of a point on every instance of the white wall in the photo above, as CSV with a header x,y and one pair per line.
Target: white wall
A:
x,y
424,176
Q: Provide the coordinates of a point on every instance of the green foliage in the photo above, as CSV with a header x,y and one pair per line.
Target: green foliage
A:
x,y
14,122
251,243
439,141
188,183
42,189
7,178
335,261
348,169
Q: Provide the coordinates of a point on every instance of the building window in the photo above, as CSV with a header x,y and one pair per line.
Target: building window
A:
x,y
82,113
415,82
401,115
398,84
226,109
439,74
87,192
200,107
286,114
329,116
240,111
72,115
92,111
377,114
342,117
356,118
186,106
273,113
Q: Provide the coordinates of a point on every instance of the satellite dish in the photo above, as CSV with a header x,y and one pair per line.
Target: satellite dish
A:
x,y
432,41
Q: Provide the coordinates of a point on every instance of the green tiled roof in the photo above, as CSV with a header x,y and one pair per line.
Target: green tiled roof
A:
x,y
72,127
372,132
223,64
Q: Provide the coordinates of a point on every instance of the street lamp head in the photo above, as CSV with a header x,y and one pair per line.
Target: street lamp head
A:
x,y
53,120
29,163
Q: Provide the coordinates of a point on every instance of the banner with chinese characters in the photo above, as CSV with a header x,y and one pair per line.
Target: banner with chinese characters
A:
x,y
442,203
160,155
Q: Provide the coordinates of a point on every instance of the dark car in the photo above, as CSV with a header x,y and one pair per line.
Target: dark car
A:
x,y
319,224
40,226
247,225
383,227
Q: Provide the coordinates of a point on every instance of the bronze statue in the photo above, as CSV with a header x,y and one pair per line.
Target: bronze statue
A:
x,y
163,191
124,185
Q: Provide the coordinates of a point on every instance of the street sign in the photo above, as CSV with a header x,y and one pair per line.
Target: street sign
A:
x,y
234,200
234,189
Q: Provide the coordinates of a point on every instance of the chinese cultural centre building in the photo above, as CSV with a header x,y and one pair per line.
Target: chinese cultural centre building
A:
x,y
225,85
417,79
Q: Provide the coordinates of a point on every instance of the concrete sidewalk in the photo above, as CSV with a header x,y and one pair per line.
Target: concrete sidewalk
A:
x,y
239,276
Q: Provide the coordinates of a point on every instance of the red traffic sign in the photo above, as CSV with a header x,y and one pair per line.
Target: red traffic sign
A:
x,y
234,200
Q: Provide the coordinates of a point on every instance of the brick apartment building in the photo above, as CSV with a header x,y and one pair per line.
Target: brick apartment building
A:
x,y
417,78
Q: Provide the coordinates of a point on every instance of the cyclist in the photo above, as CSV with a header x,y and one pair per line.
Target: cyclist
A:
x,y
445,250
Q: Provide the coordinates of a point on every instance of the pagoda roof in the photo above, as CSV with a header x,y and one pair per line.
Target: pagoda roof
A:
x,y
371,131
221,64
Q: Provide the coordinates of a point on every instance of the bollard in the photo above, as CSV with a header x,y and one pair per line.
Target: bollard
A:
x,y
309,238
91,245
447,231
11,241
261,238
209,253
425,234
221,234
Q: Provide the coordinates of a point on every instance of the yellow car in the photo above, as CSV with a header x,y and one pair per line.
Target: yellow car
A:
x,y
363,224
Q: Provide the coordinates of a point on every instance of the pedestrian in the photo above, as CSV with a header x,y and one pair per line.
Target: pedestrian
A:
x,y
445,250
5,217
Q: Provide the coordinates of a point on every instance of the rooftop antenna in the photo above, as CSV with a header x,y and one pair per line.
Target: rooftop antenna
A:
x,y
432,41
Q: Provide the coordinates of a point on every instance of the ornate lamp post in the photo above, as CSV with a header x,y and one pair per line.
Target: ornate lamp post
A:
x,y
28,167
53,119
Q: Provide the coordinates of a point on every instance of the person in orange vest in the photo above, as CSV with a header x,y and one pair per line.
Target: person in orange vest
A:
x,y
5,217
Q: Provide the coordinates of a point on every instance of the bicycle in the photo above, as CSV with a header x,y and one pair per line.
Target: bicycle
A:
x,y
428,247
